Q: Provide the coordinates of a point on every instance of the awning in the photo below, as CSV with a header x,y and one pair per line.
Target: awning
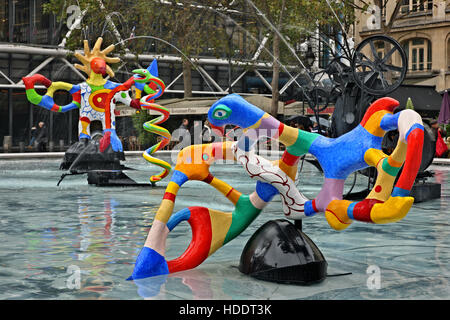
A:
x,y
424,98
185,106
201,105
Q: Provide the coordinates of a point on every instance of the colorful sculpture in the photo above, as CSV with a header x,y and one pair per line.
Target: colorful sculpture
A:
x,y
90,96
358,149
155,88
145,81
97,97
355,150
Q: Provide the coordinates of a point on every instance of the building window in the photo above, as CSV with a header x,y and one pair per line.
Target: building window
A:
x,y
448,54
416,6
21,22
379,47
418,51
4,32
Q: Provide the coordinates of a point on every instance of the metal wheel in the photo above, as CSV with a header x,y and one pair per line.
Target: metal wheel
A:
x,y
320,98
373,65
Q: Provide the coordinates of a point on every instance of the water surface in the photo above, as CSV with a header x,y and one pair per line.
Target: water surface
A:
x,y
47,232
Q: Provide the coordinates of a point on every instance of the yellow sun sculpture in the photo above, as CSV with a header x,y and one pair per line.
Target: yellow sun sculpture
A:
x,y
94,61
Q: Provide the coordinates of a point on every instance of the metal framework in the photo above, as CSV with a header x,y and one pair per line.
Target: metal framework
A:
x,y
60,53
210,70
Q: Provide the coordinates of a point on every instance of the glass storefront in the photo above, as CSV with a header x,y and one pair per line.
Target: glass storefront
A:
x,y
26,22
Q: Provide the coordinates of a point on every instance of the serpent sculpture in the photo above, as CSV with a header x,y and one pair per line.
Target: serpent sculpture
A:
x,y
339,157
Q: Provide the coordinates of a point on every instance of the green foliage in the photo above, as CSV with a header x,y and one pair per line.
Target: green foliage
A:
x,y
146,139
197,27
301,18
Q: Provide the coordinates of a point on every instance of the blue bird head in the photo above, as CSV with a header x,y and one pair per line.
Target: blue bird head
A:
x,y
153,69
235,110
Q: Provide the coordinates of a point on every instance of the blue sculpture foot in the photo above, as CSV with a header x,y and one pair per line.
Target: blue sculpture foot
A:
x,y
149,263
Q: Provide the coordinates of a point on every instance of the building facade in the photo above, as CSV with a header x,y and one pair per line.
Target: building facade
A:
x,y
422,27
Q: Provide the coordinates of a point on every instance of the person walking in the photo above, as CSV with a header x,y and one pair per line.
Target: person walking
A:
x,y
33,137
196,133
181,136
42,137
439,136
207,132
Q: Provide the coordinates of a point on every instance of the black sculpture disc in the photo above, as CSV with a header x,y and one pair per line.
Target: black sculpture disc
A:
x,y
280,252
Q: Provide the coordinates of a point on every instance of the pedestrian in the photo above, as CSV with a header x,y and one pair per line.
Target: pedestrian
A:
x,y
206,132
196,132
33,137
315,128
389,141
42,136
439,136
181,136
436,129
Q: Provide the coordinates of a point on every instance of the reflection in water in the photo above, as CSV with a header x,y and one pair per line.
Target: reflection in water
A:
x,y
196,282
96,244
440,229
219,282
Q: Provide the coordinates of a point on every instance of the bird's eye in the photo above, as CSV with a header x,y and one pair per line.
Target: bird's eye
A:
x,y
221,112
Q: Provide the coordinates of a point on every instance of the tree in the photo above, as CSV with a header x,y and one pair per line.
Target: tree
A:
x,y
196,27
299,19
187,26
145,138
409,104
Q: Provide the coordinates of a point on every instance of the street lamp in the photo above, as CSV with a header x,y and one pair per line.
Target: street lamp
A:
x,y
229,26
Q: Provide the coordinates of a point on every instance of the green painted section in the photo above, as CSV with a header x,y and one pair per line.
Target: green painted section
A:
x,y
148,90
33,96
244,213
392,171
95,88
78,105
303,143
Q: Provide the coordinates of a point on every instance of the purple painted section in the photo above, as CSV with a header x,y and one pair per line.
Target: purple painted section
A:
x,y
268,128
332,189
270,124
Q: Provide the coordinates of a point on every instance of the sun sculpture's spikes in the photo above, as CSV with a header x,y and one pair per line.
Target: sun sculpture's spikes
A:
x,y
95,53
